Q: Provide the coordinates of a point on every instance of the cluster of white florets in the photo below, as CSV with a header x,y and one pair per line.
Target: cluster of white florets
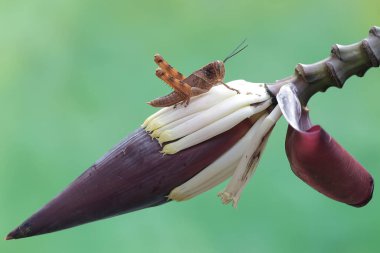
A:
x,y
211,114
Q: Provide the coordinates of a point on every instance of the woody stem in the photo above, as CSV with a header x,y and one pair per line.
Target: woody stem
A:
x,y
343,62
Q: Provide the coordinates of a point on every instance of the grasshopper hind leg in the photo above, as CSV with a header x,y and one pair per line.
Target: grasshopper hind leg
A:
x,y
166,67
171,99
178,85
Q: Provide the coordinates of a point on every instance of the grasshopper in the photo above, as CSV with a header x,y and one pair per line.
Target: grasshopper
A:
x,y
199,82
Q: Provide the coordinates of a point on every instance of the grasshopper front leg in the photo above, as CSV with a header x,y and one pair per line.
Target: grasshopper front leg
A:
x,y
228,87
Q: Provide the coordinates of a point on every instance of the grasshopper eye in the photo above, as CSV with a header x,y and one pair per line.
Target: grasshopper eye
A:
x,y
210,72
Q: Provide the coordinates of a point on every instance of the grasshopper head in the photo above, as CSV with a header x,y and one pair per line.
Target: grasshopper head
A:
x,y
213,72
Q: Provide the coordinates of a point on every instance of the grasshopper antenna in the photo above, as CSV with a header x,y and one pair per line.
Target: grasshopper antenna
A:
x,y
237,50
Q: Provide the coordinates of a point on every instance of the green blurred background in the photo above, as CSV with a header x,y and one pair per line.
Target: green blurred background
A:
x,y
74,79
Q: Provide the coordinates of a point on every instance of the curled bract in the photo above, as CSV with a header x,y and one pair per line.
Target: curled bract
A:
x,y
318,159
322,163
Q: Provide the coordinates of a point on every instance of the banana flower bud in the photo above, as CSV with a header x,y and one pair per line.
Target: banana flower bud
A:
x,y
177,154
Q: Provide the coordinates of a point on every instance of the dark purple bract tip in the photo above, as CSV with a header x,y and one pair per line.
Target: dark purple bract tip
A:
x,y
319,160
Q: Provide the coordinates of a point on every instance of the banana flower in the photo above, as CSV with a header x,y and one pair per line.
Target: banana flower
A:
x,y
177,154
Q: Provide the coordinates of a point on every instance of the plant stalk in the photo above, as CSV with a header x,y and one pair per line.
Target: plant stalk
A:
x,y
343,62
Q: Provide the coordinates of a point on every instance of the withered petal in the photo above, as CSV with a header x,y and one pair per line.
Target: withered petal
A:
x,y
132,176
317,159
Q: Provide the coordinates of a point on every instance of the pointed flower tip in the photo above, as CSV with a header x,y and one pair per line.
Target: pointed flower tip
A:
x,y
9,237
319,160
19,232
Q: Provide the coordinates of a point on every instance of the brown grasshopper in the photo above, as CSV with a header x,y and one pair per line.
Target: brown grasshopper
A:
x,y
197,83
